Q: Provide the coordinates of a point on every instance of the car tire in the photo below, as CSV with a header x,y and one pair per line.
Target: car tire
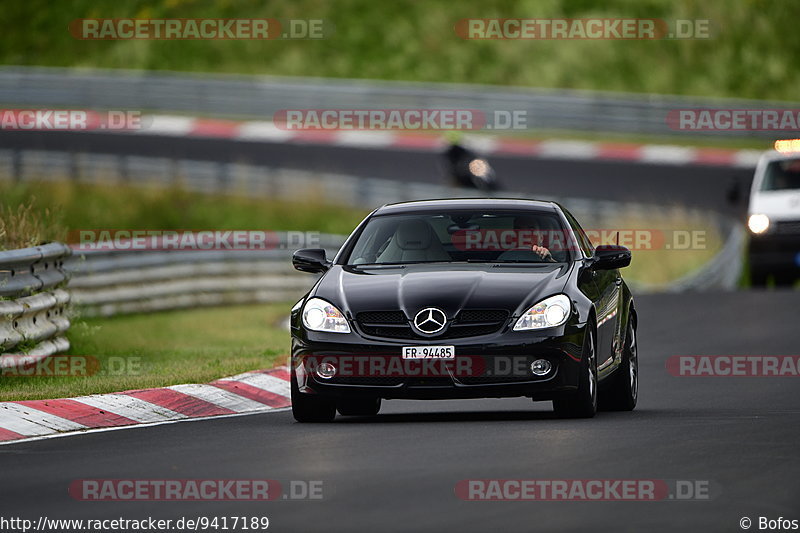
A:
x,y
358,406
623,391
583,402
309,407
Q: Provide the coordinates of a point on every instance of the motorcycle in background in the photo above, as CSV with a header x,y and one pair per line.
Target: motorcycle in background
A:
x,y
466,168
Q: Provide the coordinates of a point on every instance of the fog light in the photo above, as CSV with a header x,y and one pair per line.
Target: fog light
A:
x,y
326,370
541,367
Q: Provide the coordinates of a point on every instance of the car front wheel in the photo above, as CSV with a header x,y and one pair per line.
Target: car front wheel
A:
x,y
583,402
309,407
624,388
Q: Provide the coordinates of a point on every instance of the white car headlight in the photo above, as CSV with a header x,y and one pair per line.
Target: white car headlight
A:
x,y
758,223
319,315
550,312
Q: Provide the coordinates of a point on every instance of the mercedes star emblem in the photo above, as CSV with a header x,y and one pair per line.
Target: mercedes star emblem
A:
x,y
430,320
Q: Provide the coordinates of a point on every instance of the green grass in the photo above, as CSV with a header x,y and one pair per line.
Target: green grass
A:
x,y
22,226
162,349
753,52
674,251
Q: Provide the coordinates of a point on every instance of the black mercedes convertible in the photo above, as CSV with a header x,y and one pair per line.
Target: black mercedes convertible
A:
x,y
464,298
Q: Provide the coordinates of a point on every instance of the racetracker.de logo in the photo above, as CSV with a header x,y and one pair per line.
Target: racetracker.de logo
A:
x,y
174,489
731,366
582,29
198,29
599,490
189,240
379,119
734,119
421,364
69,120
559,240
168,490
76,366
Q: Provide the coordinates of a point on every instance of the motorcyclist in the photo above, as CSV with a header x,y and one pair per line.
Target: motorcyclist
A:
x,y
465,168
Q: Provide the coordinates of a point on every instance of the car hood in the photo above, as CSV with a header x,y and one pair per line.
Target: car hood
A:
x,y
777,205
450,288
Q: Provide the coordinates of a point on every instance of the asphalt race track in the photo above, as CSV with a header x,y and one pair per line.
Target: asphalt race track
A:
x,y
691,185
397,471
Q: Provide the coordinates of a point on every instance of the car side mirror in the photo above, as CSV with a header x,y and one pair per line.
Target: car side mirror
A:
x,y
610,257
310,260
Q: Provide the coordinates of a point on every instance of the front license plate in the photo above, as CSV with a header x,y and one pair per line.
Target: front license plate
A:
x,y
429,352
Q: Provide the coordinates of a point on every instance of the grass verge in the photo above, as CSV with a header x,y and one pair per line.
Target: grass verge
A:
x,y
22,226
162,349
666,245
81,206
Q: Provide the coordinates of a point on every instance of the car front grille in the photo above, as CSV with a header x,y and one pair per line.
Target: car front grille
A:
x,y
383,317
494,380
367,381
787,227
468,323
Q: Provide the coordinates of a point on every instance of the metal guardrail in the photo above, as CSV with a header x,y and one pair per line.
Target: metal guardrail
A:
x,y
29,270
109,282
723,271
261,97
33,308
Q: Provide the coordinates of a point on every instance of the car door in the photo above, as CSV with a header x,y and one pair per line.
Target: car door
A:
x,y
606,297
607,309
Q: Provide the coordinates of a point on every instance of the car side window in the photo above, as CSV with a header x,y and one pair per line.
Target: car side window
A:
x,y
583,240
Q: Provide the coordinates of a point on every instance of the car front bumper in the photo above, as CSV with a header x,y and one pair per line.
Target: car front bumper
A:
x,y
493,366
775,252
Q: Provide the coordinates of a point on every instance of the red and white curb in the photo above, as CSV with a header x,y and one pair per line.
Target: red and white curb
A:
x,y
251,392
263,131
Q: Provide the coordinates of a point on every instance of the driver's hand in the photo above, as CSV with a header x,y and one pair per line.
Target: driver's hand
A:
x,y
543,252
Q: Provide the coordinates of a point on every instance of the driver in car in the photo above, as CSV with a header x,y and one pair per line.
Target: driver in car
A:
x,y
531,224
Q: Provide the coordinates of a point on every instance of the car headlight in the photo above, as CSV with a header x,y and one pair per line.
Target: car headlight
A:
x,y
479,167
319,315
550,312
758,223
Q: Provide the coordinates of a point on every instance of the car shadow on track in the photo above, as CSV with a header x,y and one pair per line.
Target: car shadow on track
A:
x,y
445,416
495,416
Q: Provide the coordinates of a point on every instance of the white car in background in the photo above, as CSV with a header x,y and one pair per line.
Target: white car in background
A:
x,y
773,218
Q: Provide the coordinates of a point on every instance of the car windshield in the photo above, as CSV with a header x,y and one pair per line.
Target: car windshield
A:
x,y
462,236
782,175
